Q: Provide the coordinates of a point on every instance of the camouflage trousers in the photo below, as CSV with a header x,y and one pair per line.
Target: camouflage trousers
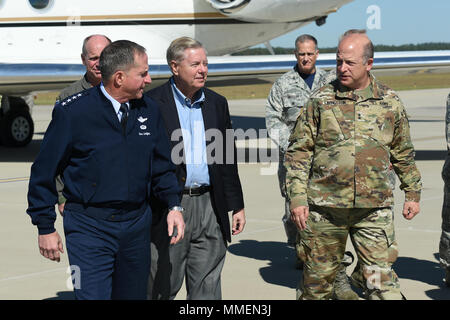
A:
x,y
324,240
444,243
289,227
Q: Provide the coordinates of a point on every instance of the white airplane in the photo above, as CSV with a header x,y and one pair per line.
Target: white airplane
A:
x,y
40,40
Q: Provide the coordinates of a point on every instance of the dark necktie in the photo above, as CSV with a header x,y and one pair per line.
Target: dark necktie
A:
x,y
123,121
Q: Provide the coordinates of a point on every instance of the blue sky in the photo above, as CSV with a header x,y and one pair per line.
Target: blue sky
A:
x,y
400,22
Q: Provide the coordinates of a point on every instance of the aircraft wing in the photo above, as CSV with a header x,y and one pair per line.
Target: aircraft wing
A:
x,y
21,78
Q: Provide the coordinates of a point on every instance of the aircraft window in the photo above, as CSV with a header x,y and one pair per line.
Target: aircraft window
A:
x,y
39,4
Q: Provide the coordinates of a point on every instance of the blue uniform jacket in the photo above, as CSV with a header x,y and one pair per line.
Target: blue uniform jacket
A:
x,y
101,167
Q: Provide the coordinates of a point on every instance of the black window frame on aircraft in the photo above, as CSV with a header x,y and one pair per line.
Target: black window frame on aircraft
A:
x,y
40,4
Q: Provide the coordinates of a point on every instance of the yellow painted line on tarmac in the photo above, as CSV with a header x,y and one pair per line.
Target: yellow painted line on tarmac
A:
x,y
21,179
422,71
34,274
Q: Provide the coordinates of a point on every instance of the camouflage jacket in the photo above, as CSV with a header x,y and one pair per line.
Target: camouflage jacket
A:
x,y
342,145
447,123
73,88
286,98
446,167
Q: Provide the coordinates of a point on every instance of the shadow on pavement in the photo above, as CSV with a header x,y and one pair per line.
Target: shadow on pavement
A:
x,y
245,123
23,154
281,269
424,271
63,295
430,155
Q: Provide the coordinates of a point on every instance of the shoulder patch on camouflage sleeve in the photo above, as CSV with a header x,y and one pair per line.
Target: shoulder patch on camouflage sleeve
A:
x,y
385,91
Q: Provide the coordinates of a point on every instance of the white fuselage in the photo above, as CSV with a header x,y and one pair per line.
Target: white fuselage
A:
x,y
55,34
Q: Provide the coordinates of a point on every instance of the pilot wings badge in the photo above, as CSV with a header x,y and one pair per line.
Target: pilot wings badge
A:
x,y
143,126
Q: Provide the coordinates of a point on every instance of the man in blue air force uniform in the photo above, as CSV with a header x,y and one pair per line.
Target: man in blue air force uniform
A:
x,y
110,146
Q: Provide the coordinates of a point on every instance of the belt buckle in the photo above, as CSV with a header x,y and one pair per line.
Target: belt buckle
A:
x,y
193,194
194,187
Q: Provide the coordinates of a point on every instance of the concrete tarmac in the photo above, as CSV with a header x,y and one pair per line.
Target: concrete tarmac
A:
x,y
259,264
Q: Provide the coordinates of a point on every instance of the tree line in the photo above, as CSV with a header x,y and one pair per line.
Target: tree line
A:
x,y
378,48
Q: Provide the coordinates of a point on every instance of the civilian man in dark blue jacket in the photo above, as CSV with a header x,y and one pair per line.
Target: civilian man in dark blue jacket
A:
x,y
110,146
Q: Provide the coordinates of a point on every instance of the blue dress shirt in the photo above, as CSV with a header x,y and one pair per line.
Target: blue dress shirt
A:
x,y
193,129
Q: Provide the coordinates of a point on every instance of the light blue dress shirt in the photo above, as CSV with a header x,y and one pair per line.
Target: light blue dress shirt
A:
x,y
193,129
115,103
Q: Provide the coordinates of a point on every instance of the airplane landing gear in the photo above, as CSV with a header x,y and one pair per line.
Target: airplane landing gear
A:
x,y
16,124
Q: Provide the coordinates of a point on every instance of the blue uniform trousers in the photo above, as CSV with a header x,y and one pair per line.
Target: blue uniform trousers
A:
x,y
109,259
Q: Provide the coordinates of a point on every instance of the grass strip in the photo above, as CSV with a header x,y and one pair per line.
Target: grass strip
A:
x,y
260,90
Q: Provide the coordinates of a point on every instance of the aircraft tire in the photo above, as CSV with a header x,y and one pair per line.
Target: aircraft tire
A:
x,y
17,128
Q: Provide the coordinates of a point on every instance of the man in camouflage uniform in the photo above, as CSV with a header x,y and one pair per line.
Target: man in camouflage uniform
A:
x,y
286,99
90,57
337,174
444,244
92,47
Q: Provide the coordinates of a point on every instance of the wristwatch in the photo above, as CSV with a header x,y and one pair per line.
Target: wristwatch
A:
x,y
177,208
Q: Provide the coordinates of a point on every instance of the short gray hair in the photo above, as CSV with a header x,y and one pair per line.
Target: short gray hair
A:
x,y
368,48
118,56
85,41
305,37
175,51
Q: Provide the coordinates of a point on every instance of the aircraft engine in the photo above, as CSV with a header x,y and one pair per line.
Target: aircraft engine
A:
x,y
275,10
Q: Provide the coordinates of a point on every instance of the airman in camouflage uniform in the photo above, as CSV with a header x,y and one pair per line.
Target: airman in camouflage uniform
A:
x,y
444,244
286,99
337,174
